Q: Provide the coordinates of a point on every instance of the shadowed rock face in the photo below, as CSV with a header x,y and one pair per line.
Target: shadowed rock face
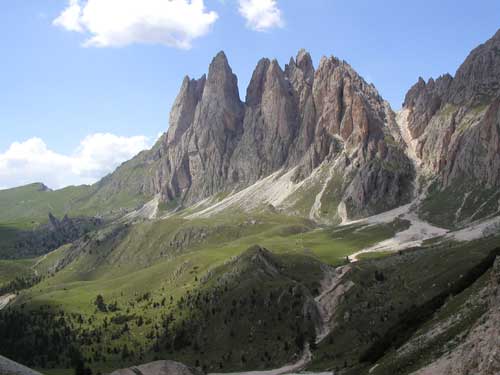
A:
x,y
292,118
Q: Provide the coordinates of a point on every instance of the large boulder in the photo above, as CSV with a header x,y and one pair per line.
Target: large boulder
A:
x,y
159,368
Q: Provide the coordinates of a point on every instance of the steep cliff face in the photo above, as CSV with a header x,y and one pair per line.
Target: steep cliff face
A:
x,y
455,124
294,119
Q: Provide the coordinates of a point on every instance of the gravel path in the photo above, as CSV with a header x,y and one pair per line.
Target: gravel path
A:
x,y
287,369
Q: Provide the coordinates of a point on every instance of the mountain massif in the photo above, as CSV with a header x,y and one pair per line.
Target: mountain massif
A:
x,y
292,122
306,227
327,131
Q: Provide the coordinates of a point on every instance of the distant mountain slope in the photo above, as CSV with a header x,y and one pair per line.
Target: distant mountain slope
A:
x,y
28,206
113,196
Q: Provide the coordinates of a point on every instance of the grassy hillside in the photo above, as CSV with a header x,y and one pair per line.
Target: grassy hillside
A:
x,y
393,296
460,204
28,206
231,292
174,259
169,287
10,269
441,333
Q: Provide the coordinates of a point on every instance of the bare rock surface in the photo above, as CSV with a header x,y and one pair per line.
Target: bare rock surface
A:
x,y
8,367
293,118
454,123
456,119
159,368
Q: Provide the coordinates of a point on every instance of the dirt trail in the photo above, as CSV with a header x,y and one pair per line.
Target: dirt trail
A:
x,y
287,369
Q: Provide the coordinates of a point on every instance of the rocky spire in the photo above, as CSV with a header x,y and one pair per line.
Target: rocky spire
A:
x,y
295,118
184,108
200,165
305,64
270,123
221,94
257,82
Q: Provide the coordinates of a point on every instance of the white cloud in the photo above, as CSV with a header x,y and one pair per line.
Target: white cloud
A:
x,y
97,155
117,23
70,17
261,15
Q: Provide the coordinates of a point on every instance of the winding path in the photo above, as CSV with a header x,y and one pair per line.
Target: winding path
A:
x,y
287,369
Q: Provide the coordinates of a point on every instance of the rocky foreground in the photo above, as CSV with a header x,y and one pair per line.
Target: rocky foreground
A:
x,y
8,367
159,368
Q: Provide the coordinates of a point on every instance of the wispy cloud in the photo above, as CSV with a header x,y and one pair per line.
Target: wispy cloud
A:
x,y
117,23
261,15
97,155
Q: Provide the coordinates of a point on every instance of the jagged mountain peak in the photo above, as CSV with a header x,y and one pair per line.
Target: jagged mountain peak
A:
x,y
300,70
292,118
303,58
478,78
221,81
257,81
219,64
293,121
183,109
219,68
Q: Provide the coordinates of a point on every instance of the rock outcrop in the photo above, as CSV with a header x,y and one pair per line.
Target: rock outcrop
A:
x,y
8,367
455,124
159,368
293,119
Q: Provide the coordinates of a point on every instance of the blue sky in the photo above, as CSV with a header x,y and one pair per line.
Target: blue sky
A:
x,y
57,90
